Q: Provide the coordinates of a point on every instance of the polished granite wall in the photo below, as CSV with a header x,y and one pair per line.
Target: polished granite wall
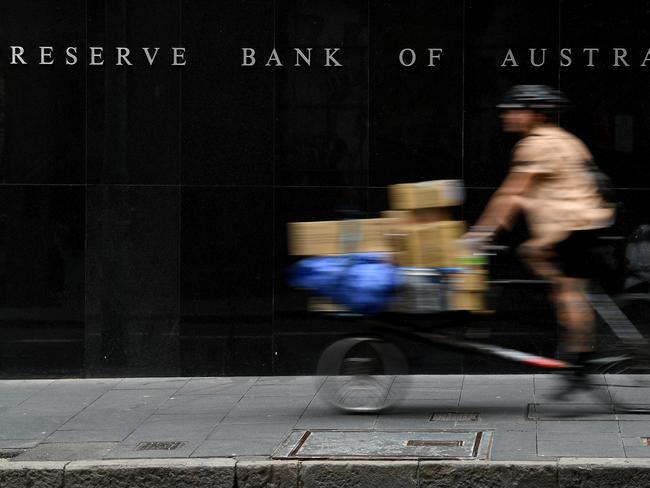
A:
x,y
143,209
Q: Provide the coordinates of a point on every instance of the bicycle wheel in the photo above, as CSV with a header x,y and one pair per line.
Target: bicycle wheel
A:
x,y
360,373
624,360
627,370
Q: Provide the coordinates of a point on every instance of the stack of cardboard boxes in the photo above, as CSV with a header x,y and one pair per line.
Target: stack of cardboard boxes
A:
x,y
418,232
430,239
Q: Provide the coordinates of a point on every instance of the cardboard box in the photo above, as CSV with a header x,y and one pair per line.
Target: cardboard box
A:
x,y
313,238
431,215
475,280
448,234
427,245
397,214
466,300
374,235
420,215
413,245
450,230
409,196
426,194
339,236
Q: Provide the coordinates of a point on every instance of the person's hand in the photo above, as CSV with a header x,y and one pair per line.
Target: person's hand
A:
x,y
477,237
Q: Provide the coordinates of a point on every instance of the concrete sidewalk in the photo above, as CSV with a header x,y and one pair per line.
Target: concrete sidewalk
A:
x,y
68,423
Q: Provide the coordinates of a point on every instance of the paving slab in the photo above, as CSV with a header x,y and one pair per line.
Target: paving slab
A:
x,y
64,451
9,399
605,445
636,452
236,447
403,392
518,380
256,431
113,434
131,449
575,411
333,421
151,383
421,405
635,417
503,416
270,390
631,428
64,398
119,410
217,386
198,404
411,422
290,380
252,407
432,381
29,425
517,445
175,427
19,443
630,395
563,427
636,442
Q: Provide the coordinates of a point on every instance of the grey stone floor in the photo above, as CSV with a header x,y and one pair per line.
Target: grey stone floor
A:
x,y
74,419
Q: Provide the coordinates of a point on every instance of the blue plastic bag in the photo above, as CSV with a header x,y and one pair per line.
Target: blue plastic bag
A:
x,y
364,283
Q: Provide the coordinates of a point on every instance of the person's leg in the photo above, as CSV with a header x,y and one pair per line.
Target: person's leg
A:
x,y
575,314
573,310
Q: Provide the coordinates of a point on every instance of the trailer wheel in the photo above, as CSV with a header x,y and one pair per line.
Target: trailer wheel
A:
x,y
360,373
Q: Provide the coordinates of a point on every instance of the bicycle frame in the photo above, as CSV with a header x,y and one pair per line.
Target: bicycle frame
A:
x,y
602,303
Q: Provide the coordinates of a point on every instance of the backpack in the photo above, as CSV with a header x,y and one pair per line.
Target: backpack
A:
x,y
603,183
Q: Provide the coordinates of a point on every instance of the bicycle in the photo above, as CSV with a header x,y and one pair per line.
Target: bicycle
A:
x,y
361,368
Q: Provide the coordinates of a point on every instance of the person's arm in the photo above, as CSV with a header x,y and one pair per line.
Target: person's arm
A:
x,y
529,164
506,203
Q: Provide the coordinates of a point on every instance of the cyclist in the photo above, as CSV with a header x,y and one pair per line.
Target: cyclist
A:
x,y
552,181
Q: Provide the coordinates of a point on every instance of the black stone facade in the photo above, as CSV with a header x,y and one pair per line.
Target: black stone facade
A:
x,y
143,209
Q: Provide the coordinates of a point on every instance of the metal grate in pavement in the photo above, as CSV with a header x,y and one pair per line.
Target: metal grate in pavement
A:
x,y
159,446
454,417
385,444
425,443
8,454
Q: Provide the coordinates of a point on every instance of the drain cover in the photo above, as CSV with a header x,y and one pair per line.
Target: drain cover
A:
x,y
159,446
392,444
8,454
453,417
424,443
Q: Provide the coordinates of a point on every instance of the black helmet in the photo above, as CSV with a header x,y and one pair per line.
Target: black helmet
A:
x,y
536,97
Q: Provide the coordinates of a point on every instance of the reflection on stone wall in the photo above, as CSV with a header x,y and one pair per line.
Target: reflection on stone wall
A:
x,y
143,210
